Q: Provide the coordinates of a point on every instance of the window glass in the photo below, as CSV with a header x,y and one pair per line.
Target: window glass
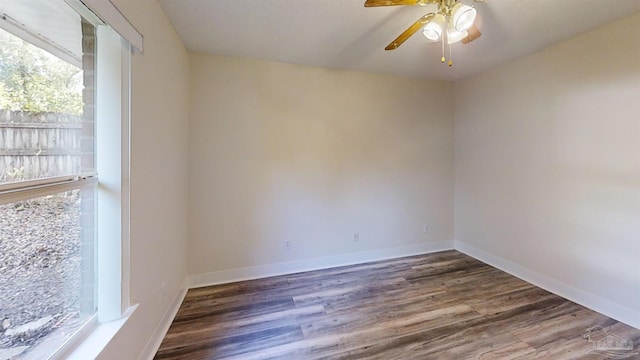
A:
x,y
47,192
47,273
46,95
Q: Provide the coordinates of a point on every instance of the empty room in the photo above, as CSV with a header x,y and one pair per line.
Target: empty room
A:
x,y
330,179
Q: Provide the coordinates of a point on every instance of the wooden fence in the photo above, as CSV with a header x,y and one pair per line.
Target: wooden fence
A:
x,y
34,146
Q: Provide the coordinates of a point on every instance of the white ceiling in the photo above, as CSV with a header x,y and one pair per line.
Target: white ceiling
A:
x,y
344,34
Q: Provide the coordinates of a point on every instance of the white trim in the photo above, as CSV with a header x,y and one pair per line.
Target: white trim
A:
x,y
38,183
159,333
97,340
44,190
594,302
72,343
291,267
125,166
110,14
83,11
108,161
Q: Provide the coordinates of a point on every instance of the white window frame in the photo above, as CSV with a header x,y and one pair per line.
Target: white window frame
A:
x,y
112,121
110,14
113,87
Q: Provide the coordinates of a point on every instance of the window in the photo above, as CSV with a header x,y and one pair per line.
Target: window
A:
x,y
63,198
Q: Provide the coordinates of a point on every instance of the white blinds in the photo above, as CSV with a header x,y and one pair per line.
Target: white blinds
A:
x,y
50,25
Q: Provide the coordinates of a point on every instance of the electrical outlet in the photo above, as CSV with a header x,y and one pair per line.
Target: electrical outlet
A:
x,y
287,244
356,236
426,228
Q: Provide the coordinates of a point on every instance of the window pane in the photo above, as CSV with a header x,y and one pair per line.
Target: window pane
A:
x,y
47,243
47,271
46,97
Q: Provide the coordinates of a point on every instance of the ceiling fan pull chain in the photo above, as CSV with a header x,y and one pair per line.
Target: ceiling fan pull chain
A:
x,y
450,57
443,59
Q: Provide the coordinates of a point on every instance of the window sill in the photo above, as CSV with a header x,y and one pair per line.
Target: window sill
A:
x,y
98,338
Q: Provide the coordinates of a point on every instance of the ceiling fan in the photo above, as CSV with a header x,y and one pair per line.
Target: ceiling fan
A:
x,y
452,19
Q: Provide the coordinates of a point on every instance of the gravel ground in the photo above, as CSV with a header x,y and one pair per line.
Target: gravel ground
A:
x,y
39,268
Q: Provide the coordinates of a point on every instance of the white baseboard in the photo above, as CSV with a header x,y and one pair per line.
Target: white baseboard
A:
x,y
163,326
291,267
594,302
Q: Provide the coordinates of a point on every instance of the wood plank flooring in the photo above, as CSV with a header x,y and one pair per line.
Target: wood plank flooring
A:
x,y
436,306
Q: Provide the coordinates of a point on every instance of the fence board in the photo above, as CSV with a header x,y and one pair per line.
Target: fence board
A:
x,y
40,145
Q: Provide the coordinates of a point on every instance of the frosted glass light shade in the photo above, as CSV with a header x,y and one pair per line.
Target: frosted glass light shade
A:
x,y
433,29
463,16
453,35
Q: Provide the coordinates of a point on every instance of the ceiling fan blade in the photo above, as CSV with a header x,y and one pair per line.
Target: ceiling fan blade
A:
x,y
473,33
410,31
374,3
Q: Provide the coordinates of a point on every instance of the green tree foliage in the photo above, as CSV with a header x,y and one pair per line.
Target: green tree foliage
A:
x,y
33,80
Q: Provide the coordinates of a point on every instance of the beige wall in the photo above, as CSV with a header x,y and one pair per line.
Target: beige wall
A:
x,y
291,153
159,173
547,162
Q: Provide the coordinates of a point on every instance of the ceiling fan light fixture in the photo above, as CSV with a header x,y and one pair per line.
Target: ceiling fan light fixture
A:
x,y
453,35
463,16
433,29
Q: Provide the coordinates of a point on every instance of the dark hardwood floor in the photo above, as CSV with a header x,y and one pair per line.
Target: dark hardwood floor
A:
x,y
437,306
